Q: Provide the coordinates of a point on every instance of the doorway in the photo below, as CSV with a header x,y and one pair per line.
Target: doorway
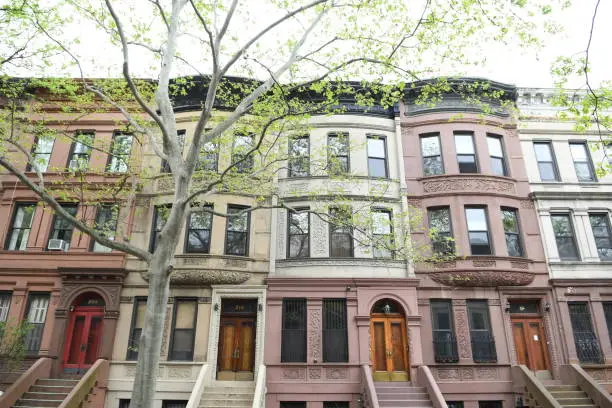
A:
x,y
388,342
237,327
84,333
529,335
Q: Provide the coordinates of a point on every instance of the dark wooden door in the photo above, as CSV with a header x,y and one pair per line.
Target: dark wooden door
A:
x,y
389,348
530,343
236,357
83,338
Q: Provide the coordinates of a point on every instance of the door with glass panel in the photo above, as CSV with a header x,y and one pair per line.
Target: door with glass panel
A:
x,y
388,343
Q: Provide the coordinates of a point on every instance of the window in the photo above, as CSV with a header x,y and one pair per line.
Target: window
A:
x,y
440,230
564,236
81,151
608,153
293,337
209,157
336,404
22,224
41,153
292,404
496,151
241,157
237,231
138,319
199,227
607,307
120,153
5,305
600,223
432,155
377,156
483,344
546,161
299,233
106,223
183,329
160,216
38,303
335,336
174,404
382,234
180,138
454,404
338,153
587,346
478,230
340,233
299,156
466,155
582,161
61,229
489,404
512,231
124,403
444,341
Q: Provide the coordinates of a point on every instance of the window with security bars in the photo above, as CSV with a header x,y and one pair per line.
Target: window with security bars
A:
x,y
441,232
600,224
299,233
21,227
237,231
335,336
182,336
41,153
335,404
174,404
61,228
432,155
444,341
377,156
36,315
340,233
138,319
80,151
180,138
587,345
292,404
607,307
489,404
299,156
293,336
5,305
564,236
119,159
106,223
338,153
454,404
496,152
199,227
511,229
483,343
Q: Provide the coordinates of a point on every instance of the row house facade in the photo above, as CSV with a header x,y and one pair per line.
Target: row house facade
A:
x,y
293,307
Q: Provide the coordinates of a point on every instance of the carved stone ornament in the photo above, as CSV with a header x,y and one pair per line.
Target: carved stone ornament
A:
x,y
483,278
448,374
314,373
294,373
314,334
476,184
463,342
336,373
204,277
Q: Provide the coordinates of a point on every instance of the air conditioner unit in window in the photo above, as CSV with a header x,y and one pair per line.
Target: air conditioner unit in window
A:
x,y
57,245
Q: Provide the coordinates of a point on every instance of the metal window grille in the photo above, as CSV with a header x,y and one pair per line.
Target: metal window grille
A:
x,y
607,306
36,317
489,404
335,404
22,224
174,404
483,343
293,336
335,336
587,346
293,404
444,341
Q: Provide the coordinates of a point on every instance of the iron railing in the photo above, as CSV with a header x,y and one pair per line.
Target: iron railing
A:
x,y
445,347
483,347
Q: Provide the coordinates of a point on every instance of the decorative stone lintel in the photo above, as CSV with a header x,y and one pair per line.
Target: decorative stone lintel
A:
x,y
204,277
482,278
477,184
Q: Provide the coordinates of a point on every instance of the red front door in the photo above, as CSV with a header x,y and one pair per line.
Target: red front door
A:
x,y
83,337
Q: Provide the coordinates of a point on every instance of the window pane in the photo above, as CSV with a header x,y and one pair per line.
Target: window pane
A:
x,y
439,219
543,152
106,224
381,222
510,221
579,152
338,144
120,156
479,242
430,146
476,219
564,235
335,337
583,171
601,231
376,147
464,144
495,146
467,164
185,314
237,222
236,243
377,167
497,166
547,171
432,165
298,223
5,304
22,225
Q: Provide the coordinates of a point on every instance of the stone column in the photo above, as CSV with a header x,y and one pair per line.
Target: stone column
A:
x,y
462,331
363,332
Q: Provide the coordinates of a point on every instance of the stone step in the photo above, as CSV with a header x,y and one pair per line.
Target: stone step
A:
x,y
581,406
51,388
405,403
230,401
403,395
400,389
553,388
568,394
393,384
224,404
574,401
44,395
26,402
57,381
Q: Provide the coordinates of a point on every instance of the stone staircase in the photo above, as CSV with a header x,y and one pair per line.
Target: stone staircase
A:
x,y
240,396
401,395
46,392
570,396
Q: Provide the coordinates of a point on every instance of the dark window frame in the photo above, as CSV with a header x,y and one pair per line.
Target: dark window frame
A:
x,y
170,403
133,341
440,152
187,249
553,157
385,159
288,354
73,145
153,238
171,342
505,167
331,231
606,217
448,338
573,236
448,245
489,238
589,160
390,235
238,208
289,234
214,166
34,153
475,154
292,404
93,242
588,348
339,135
292,160
518,234
482,340
336,404
35,334
339,356
111,155
56,217
607,307
6,295
9,235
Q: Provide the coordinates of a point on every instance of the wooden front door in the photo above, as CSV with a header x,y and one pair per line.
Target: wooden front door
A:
x,y
530,343
236,349
389,349
83,338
